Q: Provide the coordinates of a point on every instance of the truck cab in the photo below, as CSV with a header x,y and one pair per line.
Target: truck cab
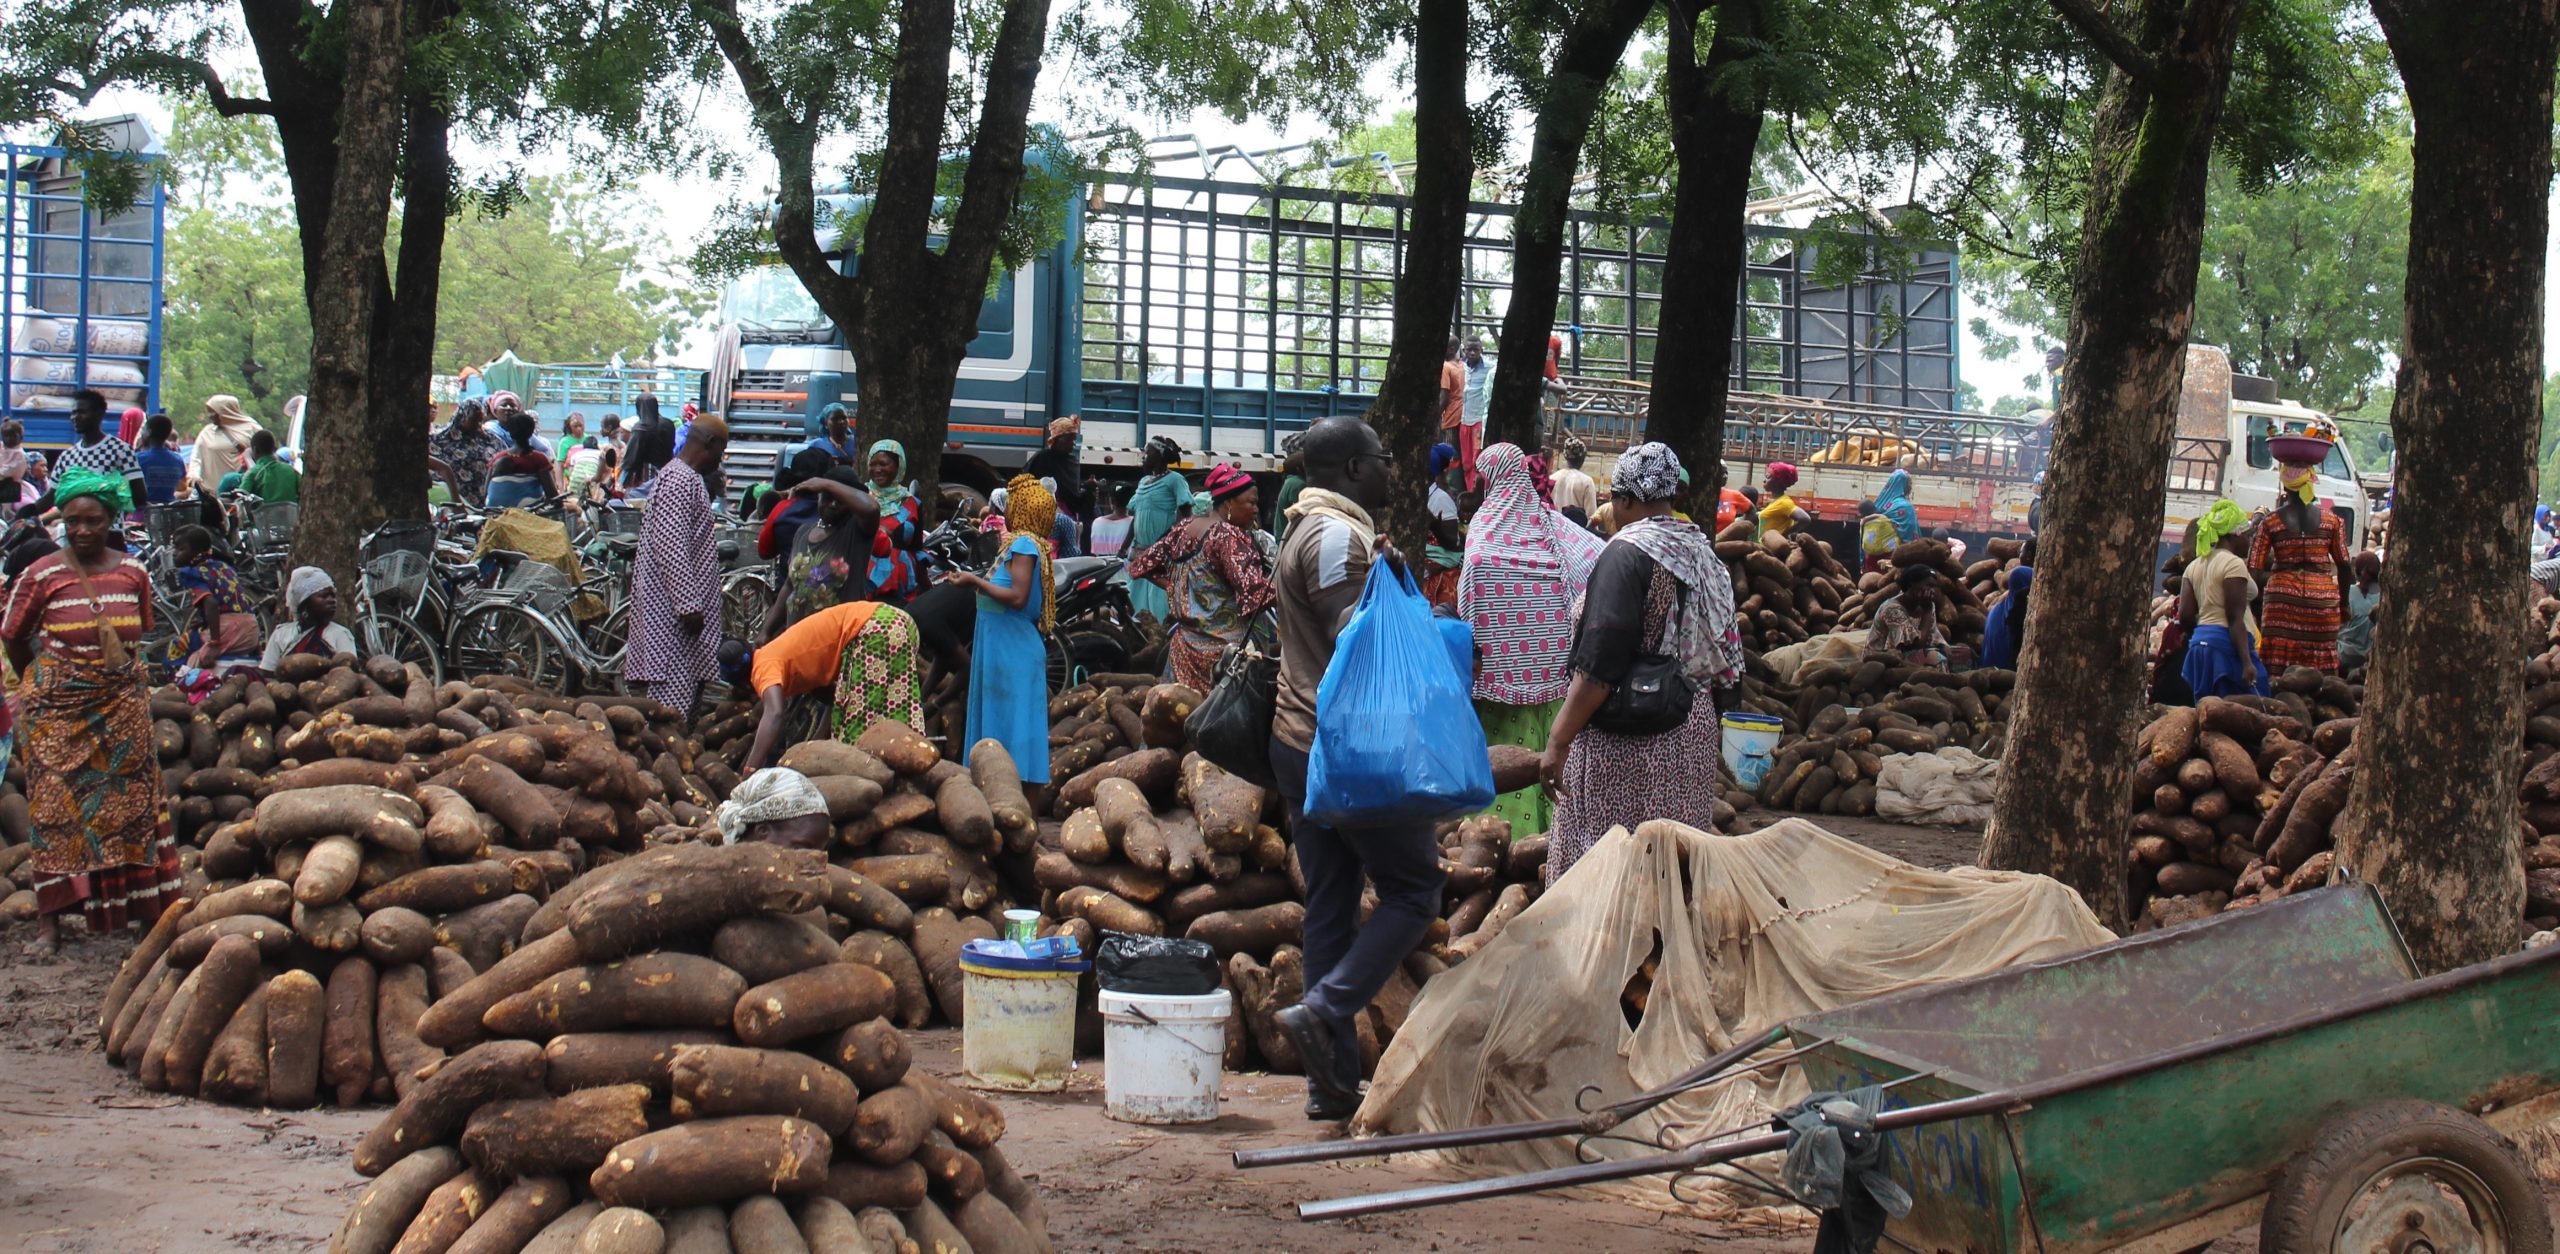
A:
x,y
2220,450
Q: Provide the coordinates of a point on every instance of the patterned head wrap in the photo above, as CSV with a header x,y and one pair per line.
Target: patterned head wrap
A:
x,y
768,796
82,481
1648,472
2299,479
506,402
1068,425
893,494
1031,513
1226,481
2219,521
1782,475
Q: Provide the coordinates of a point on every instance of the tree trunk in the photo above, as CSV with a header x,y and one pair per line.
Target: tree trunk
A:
x,y
345,289
2061,808
2432,820
1713,137
1566,102
1407,413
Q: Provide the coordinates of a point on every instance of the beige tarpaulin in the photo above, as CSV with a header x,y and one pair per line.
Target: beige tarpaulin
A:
x,y
545,540
1754,930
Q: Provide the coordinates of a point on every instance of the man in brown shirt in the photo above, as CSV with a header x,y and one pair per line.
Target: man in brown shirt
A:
x,y
1319,573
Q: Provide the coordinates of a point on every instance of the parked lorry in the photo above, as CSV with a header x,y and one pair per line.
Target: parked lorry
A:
x,y
1230,314
79,289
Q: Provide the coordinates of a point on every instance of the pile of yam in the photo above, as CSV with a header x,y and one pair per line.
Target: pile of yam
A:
x,y
687,1060
1843,718
1786,588
1966,592
17,876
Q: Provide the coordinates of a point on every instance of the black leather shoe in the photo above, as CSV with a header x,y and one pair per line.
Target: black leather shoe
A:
x,y
1317,1051
1323,1107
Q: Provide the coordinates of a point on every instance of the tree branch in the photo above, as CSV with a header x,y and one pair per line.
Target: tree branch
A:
x,y
2114,44
794,144
994,177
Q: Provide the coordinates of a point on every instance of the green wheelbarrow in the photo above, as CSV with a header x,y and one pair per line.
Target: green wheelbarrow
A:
x,y
2280,1066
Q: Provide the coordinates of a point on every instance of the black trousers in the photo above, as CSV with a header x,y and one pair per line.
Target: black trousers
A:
x,y
1347,962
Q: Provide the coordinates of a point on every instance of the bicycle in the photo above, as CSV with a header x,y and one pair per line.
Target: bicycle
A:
x,y
523,629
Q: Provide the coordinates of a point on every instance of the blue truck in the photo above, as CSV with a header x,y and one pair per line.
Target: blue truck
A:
x,y
80,290
1229,314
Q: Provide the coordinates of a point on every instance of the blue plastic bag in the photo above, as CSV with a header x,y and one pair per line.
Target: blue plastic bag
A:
x,y
1397,739
1460,637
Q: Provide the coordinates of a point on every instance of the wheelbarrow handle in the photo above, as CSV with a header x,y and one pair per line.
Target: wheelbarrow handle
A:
x,y
1597,1121
1689,1159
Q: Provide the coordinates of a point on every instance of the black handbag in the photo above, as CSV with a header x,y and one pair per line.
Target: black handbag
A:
x,y
1654,697
1232,726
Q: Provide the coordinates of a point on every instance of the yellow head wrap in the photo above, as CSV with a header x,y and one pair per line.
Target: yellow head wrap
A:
x,y
1030,511
2301,480
2219,521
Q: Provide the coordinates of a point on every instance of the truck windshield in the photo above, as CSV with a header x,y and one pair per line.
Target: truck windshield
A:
x,y
2260,427
769,296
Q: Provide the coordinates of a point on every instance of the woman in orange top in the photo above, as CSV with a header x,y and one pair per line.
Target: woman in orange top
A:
x,y
836,672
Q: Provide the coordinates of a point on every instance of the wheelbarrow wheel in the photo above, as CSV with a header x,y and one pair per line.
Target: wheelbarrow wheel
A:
x,y
2404,1177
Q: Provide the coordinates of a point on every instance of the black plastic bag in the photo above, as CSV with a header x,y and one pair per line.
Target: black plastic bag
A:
x,y
1159,965
1232,726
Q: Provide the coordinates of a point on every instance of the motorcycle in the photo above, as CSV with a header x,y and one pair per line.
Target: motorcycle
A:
x,y
1097,627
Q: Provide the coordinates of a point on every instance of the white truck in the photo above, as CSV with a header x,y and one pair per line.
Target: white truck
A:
x,y
1975,475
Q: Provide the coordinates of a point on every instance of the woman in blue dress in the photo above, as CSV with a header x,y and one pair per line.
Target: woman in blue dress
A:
x,y
1155,507
1008,661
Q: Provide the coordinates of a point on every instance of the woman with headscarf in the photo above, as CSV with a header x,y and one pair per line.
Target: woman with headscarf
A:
x,y
1156,506
1446,548
1893,500
311,596
2222,653
2004,630
833,674
1215,577
1008,653
73,626
1524,566
652,446
830,558
222,447
893,562
2299,554
1778,515
1657,594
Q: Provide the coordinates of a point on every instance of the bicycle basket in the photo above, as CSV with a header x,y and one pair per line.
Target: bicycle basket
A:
x,y
271,524
166,517
407,535
619,520
397,579
542,587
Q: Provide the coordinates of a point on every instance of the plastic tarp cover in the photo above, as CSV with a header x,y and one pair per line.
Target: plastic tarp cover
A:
x,y
1949,788
1753,930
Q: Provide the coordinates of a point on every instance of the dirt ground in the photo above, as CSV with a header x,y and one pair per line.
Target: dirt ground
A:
x,y
89,1162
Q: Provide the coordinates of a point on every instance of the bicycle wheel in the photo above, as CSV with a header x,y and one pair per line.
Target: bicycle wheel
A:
x,y
610,640
499,638
403,641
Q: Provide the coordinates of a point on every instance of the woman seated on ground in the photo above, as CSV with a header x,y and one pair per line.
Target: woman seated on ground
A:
x,y
221,623
1907,623
778,807
313,599
832,675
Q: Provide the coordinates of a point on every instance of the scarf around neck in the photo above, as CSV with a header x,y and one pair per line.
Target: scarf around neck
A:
x,y
1315,501
1703,632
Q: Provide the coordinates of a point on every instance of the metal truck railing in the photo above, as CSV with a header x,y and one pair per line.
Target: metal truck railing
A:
x,y
1607,415
79,291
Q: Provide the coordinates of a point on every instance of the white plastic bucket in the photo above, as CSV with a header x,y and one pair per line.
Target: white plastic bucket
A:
x,y
1750,747
1019,1029
1162,1055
